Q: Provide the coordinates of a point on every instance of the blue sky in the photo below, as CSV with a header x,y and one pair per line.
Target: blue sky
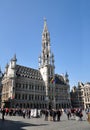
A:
x,y
68,21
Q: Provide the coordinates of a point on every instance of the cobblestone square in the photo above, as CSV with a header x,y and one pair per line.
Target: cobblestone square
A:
x,y
19,123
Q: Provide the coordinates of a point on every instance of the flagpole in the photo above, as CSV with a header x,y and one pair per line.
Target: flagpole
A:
x,y
54,100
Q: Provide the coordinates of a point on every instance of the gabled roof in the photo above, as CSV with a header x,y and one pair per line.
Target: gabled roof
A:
x,y
22,71
59,79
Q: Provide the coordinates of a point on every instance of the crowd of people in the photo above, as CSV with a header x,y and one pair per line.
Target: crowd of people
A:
x,y
15,112
49,114
55,115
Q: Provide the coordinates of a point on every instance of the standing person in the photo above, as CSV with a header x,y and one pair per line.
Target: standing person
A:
x,y
3,113
51,114
54,115
24,113
46,115
7,111
29,113
80,114
58,114
68,112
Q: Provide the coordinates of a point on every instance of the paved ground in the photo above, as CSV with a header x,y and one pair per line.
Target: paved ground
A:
x,y
18,123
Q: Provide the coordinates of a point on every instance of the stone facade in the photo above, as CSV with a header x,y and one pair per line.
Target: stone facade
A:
x,y
26,87
80,95
87,95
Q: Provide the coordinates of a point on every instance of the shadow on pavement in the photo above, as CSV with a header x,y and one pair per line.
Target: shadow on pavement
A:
x,y
16,125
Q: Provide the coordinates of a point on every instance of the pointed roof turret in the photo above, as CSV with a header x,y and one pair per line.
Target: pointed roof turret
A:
x,y
14,58
66,76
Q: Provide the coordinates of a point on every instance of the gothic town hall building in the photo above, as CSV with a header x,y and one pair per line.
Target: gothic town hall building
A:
x,y
25,87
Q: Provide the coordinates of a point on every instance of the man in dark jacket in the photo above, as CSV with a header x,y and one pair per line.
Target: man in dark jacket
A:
x,y
3,113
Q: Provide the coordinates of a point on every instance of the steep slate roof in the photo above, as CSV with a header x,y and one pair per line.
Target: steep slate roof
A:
x,y
59,79
22,71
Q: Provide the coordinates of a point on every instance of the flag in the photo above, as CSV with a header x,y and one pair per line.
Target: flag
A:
x,y
52,80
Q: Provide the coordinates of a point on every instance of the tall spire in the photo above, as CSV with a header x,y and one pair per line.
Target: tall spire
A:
x,y
45,29
45,33
46,55
46,59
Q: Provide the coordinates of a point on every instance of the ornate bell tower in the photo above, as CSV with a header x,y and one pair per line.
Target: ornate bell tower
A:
x,y
46,59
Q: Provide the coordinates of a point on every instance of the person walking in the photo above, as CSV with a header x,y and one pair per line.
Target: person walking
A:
x,y
3,113
46,115
68,112
24,113
54,115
